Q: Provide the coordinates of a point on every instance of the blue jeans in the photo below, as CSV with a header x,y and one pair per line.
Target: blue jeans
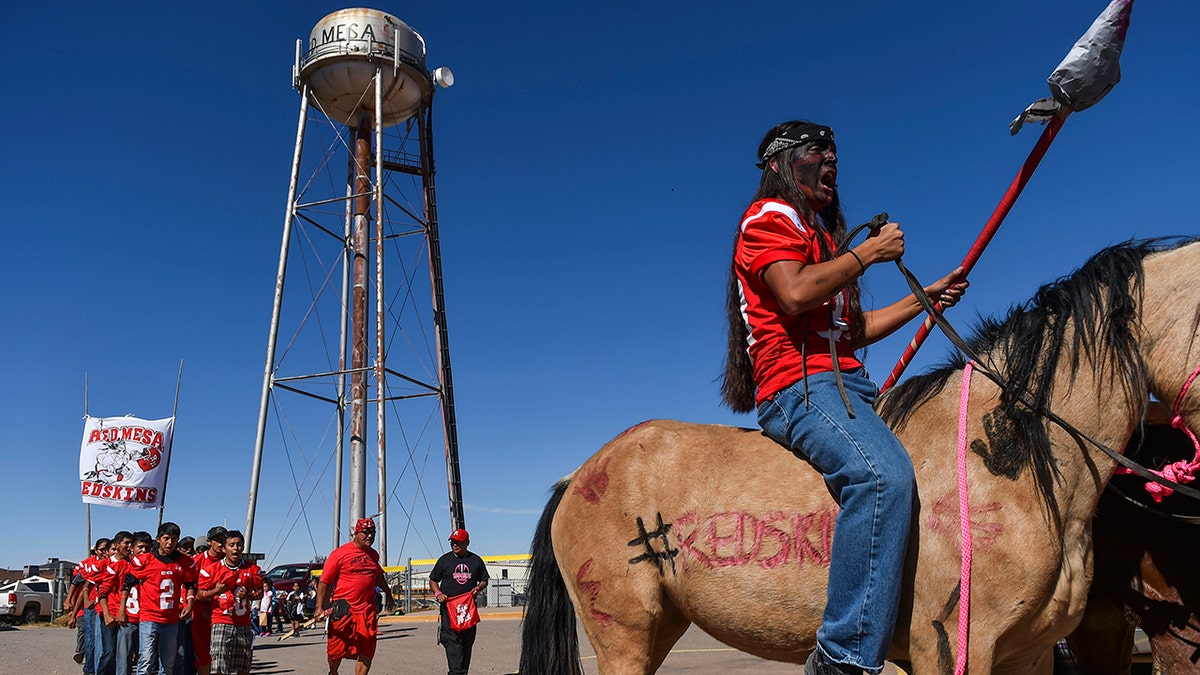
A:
x,y
156,647
127,637
104,642
871,477
185,658
89,640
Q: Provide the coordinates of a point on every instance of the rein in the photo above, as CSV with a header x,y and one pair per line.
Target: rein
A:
x,y
1183,471
1129,466
1166,484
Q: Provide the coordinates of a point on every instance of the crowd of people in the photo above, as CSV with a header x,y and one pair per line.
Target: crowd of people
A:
x,y
143,604
148,605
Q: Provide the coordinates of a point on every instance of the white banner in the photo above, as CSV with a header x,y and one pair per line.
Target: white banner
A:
x,y
123,461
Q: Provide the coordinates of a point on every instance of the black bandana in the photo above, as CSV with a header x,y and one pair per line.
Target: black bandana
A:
x,y
798,135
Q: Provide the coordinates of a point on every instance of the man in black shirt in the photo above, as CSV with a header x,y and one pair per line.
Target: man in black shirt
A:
x,y
455,573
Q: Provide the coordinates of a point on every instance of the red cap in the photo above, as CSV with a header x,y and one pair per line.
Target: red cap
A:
x,y
363,525
459,535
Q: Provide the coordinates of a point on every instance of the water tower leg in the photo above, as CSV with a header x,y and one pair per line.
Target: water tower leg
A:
x,y
380,321
273,333
344,328
454,478
358,319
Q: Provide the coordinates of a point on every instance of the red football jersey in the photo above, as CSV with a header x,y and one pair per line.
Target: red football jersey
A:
x,y
772,231
112,578
91,573
352,572
227,607
131,606
160,584
207,568
78,572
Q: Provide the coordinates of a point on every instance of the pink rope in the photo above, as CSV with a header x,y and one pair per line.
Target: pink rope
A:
x,y
964,519
1183,471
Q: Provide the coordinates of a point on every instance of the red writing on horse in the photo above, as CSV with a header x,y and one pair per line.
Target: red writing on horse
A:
x,y
942,517
737,538
591,590
593,483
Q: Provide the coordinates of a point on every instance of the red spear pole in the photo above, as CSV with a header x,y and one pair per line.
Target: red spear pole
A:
x,y
989,231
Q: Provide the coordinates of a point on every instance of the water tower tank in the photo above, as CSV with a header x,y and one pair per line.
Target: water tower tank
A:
x,y
344,49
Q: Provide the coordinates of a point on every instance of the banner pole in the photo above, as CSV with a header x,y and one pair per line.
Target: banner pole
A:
x,y
162,504
1090,70
985,236
87,508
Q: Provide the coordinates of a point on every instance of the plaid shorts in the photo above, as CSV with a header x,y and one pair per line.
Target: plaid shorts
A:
x,y
231,648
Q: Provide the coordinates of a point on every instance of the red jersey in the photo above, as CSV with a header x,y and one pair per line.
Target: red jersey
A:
x,y
92,567
227,607
131,606
160,582
78,572
351,572
772,231
112,580
207,569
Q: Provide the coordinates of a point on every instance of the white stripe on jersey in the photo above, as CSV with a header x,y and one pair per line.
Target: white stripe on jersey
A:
x,y
775,207
767,207
744,306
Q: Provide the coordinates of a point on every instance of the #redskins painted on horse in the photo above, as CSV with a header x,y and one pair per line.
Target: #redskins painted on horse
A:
x,y
672,524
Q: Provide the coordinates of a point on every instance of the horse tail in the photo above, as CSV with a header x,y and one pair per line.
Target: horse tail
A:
x,y
549,643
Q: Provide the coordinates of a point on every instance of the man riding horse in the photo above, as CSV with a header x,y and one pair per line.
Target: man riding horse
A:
x,y
795,321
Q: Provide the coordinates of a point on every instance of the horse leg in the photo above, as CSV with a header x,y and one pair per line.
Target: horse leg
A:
x,y
1042,664
671,626
1102,644
635,637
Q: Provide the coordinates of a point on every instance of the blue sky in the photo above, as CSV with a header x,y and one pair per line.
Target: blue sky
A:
x,y
593,161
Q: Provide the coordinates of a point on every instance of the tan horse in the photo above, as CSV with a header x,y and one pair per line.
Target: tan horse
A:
x,y
1145,571
671,524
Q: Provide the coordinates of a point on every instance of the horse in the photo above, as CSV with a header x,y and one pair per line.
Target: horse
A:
x,y
672,524
1145,559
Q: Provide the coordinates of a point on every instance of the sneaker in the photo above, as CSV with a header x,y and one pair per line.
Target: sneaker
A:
x,y
78,658
267,634
817,665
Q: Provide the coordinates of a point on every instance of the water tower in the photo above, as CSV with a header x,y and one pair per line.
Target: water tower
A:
x,y
363,72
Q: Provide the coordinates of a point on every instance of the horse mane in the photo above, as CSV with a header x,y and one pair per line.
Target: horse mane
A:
x,y
1092,312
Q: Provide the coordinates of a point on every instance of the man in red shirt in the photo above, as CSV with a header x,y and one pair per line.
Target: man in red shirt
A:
x,y
353,572
163,578
232,636
112,657
127,614
81,599
207,563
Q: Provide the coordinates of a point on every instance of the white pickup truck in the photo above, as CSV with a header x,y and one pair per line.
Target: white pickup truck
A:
x,y
29,599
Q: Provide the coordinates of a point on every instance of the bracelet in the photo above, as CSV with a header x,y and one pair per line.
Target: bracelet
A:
x,y
860,262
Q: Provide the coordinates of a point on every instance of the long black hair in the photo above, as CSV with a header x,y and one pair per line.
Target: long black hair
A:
x,y
737,387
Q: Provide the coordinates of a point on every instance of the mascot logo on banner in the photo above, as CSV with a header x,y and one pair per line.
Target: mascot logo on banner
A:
x,y
122,461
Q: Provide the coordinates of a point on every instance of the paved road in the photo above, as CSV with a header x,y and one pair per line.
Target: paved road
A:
x,y
406,645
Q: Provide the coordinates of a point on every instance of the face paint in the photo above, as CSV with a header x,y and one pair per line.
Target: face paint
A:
x,y
815,173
